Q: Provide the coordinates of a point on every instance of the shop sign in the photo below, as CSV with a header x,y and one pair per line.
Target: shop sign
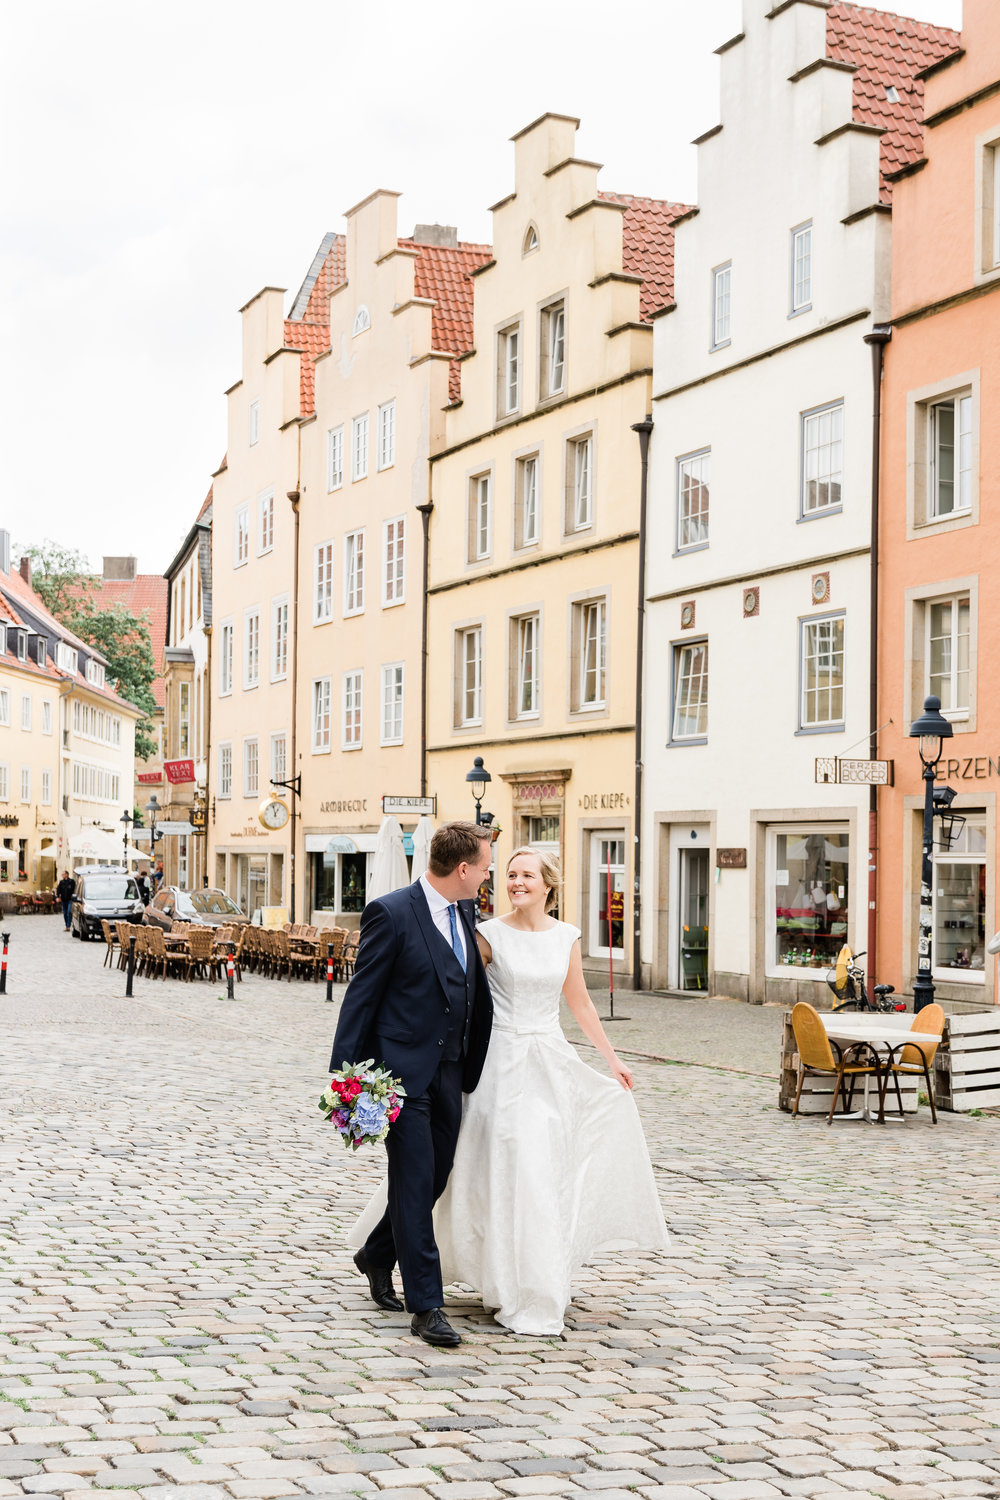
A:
x,y
969,768
178,771
731,859
603,801
150,778
400,806
834,770
248,831
174,827
358,805
8,821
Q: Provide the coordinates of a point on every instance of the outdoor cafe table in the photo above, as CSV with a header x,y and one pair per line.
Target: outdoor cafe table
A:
x,y
881,1032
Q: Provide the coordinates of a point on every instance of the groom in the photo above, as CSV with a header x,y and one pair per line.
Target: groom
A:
x,y
419,1003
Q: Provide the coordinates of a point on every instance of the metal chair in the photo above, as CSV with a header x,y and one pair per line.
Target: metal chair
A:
x,y
816,1057
915,1058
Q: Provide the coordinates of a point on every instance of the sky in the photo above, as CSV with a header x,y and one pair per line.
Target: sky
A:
x,y
166,162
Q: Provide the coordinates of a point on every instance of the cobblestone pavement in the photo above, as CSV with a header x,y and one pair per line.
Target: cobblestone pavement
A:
x,y
180,1321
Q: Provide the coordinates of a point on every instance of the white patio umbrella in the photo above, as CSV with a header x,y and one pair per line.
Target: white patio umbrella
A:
x,y
387,871
422,835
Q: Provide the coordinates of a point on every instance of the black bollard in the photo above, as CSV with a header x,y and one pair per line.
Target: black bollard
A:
x,y
329,971
3,964
230,970
131,966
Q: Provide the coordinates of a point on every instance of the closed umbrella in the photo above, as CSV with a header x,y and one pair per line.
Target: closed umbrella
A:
x,y
422,835
387,871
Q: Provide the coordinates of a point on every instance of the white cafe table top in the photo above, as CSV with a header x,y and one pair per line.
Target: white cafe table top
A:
x,y
849,1026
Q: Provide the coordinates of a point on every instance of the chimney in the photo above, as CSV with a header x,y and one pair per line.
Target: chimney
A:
x,y
4,551
25,570
119,569
436,234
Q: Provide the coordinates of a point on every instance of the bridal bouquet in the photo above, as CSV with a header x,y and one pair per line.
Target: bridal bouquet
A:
x,y
362,1102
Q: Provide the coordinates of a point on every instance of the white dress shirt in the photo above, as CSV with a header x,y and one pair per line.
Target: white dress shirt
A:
x,y
439,905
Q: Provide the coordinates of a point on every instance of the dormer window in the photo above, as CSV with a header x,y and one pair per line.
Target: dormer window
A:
x,y
66,658
530,240
40,651
3,640
22,645
95,674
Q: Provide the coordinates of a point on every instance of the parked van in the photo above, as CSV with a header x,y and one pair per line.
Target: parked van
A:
x,y
103,893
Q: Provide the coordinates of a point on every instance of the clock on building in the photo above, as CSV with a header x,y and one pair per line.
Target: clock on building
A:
x,y
273,813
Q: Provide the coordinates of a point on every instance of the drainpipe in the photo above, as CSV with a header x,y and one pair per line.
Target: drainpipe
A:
x,y
878,338
645,430
294,496
425,516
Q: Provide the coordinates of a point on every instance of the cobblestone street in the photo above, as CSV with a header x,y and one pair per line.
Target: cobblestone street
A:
x,y
180,1319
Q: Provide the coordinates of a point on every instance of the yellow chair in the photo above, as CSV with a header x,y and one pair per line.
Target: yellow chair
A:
x,y
914,1059
816,1056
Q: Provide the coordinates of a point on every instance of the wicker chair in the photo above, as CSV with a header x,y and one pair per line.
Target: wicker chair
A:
x,y
914,1058
200,956
155,955
122,932
280,954
816,1056
350,952
111,939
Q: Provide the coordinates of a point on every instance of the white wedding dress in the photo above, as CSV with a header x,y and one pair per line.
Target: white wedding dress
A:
x,y
551,1164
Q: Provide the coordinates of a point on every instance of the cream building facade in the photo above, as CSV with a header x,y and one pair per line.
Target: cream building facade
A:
x,y
534,534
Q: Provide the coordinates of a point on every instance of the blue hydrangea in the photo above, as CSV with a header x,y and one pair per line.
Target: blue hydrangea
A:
x,y
370,1116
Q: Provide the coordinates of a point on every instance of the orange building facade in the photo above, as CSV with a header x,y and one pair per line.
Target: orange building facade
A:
x,y
939,607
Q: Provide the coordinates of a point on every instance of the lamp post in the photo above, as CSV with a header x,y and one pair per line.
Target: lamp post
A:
x,y
929,731
153,810
127,819
477,779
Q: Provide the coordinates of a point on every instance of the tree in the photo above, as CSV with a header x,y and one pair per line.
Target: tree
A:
x,y
59,576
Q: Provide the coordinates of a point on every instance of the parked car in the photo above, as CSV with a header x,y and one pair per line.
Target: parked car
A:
x,y
103,893
208,907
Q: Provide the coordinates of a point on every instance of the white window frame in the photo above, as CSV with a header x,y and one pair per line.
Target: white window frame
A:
x,y
322,711
334,459
943,859
225,658
722,305
66,656
693,527
224,770
393,562
352,709
253,422
184,718
480,523
251,766
386,444
580,457
815,451
807,624
469,677
962,461
359,447
590,654
279,638
251,646
46,716
552,349
509,362
26,712
5,706
265,522
954,711
46,792
527,496
25,786
354,573
526,663
323,583
241,536
278,768
393,688
689,674
4,782
800,269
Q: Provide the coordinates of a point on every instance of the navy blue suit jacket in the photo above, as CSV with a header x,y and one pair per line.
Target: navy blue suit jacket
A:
x,y
394,1008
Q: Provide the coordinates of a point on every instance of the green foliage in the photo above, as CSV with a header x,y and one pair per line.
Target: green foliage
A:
x,y
57,573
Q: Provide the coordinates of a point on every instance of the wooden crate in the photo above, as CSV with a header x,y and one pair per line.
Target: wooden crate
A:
x,y
967,1065
818,1092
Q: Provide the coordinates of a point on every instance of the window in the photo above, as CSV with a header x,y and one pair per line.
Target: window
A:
x,y
509,370
392,704
226,658
351,738
808,877
251,782
354,572
279,757
387,435
25,712
552,351
254,423
994,163
692,500
359,447
580,482
958,905
3,640
241,536
526,644
4,783
801,269
950,457
394,561
947,654
95,673
40,651
4,706
722,318
590,651
22,649
526,501
469,676
251,647
225,776
265,522
530,240
323,583
335,458
66,657
46,717
46,788
321,716
689,721
480,517
184,719
279,639
25,783
821,670
822,459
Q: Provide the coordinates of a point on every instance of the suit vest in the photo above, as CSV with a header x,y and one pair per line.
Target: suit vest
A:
x,y
460,989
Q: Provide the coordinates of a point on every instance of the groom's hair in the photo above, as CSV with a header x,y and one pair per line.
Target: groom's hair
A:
x,y
454,844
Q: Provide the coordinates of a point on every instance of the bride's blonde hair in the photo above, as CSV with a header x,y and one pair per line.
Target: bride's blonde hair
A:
x,y
548,868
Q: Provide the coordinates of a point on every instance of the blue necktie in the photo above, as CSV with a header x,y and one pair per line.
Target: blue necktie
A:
x,y
456,942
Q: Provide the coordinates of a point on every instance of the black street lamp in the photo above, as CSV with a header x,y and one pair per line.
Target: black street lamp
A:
x,y
929,731
154,809
128,820
477,779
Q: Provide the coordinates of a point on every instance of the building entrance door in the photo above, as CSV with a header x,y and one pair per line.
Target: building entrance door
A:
x,y
692,940
607,895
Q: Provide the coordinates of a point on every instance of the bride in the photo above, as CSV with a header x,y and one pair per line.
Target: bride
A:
x,y
551,1164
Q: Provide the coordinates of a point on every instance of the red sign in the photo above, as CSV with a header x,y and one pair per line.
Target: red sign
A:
x,y
177,771
148,777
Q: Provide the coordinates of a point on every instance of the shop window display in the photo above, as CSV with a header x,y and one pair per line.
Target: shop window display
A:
x,y
959,903
811,888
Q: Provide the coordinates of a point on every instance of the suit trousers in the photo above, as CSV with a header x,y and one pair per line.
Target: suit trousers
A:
x,y
420,1148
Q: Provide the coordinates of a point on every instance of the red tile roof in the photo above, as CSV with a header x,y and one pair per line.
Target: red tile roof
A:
x,y
648,247
443,272
13,583
206,503
144,594
888,50
310,333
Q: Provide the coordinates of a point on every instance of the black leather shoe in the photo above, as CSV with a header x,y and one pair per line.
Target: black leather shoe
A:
x,y
433,1327
379,1284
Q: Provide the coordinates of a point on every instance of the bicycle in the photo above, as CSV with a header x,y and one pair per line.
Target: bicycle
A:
x,y
847,981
